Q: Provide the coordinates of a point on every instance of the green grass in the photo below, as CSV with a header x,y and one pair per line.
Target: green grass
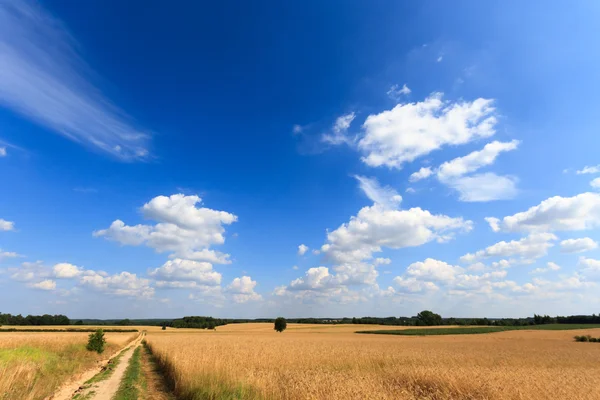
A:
x,y
132,380
106,371
478,330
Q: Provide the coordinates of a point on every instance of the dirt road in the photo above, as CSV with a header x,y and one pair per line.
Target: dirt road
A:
x,y
103,390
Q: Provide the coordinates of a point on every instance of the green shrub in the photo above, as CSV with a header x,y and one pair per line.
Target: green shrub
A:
x,y
280,324
594,340
96,341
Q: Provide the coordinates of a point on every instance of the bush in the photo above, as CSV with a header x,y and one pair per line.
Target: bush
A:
x,y
595,340
96,341
280,324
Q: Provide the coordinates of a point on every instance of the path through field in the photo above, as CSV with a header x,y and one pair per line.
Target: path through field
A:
x,y
103,390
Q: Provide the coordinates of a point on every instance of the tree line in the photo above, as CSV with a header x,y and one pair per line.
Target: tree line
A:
x,y
38,320
424,318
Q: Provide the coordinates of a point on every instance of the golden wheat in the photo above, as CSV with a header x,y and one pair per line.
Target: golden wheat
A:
x,y
331,362
33,365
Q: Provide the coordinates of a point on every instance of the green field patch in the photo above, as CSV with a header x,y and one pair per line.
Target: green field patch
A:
x,y
467,330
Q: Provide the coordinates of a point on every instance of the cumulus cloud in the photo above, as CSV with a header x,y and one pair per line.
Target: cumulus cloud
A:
x,y
29,271
183,228
477,187
578,245
338,134
534,246
408,131
590,267
434,270
242,290
550,266
122,284
484,187
179,270
375,227
6,225
595,183
302,249
472,162
581,212
423,173
66,271
589,170
47,284
44,78
432,275
7,254
396,92
384,196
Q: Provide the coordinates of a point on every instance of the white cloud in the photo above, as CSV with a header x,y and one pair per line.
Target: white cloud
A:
x,y
66,271
183,229
382,261
581,212
396,92
590,267
424,172
385,196
242,290
410,190
179,270
578,245
29,271
414,285
472,162
6,225
375,227
434,270
533,246
339,130
484,187
439,59
408,131
302,249
8,254
44,285
551,266
595,183
2,151
297,129
295,268
479,187
44,78
122,284
589,170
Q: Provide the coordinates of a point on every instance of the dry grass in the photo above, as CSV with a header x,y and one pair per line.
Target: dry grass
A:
x,y
33,365
330,362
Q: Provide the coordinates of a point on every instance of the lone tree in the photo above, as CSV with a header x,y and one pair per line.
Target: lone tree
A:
x,y
429,318
280,324
96,341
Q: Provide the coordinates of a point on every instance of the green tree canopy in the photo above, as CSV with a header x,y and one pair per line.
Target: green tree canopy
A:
x,y
429,318
280,324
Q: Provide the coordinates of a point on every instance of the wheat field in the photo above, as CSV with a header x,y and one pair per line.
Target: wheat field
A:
x,y
331,362
33,365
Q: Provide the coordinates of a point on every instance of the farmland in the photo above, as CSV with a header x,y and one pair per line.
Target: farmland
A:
x,y
251,361
34,364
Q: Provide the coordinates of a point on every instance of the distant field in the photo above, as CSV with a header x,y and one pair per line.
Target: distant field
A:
x,y
471,330
251,361
34,364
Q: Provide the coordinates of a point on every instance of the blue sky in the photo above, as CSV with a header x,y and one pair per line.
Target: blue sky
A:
x,y
299,159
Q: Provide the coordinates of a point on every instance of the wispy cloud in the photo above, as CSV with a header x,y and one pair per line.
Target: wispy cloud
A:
x,y
43,77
